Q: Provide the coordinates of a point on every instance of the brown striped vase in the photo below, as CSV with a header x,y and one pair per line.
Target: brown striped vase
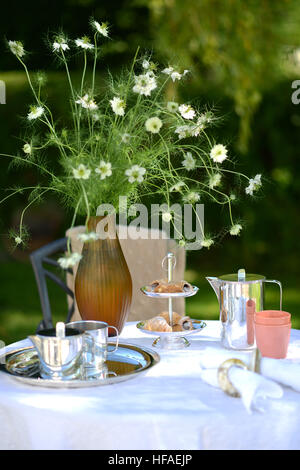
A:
x,y
103,285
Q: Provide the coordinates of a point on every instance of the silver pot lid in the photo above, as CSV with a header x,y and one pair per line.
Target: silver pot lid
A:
x,y
242,276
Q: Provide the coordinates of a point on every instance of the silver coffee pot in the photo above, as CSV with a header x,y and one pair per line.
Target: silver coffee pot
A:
x,y
234,291
60,352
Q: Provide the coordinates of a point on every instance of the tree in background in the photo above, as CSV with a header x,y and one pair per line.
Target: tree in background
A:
x,y
238,45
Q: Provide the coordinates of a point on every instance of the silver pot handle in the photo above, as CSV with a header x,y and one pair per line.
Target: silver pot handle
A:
x,y
117,335
280,289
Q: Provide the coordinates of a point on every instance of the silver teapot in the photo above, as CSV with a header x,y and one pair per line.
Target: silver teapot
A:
x,y
234,291
60,352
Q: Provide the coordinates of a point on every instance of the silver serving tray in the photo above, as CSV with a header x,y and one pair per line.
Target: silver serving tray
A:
x,y
126,363
168,295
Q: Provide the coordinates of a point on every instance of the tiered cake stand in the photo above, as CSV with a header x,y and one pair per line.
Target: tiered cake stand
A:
x,y
174,339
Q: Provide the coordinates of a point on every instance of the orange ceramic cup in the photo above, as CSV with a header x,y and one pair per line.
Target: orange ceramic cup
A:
x,y
272,340
272,317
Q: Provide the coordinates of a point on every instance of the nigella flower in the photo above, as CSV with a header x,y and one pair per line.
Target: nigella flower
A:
x,y
84,43
201,123
27,149
218,153
18,240
101,28
118,106
153,125
254,184
146,64
172,106
177,186
69,260
125,138
60,44
144,83
88,237
207,242
183,132
166,216
135,173
81,172
87,103
16,48
214,180
192,197
187,111
104,169
174,74
189,162
35,112
235,229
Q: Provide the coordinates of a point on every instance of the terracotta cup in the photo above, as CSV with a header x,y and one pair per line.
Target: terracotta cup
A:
x,y
272,317
272,333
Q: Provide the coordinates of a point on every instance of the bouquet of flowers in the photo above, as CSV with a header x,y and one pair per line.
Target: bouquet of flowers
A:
x,y
127,141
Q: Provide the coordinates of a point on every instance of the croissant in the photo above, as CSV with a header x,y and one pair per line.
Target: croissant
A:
x,y
157,324
176,317
163,286
185,323
162,323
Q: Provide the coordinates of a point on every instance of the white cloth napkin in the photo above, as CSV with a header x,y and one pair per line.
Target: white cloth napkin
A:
x,y
255,389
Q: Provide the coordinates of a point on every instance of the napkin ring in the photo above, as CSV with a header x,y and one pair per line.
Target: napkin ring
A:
x,y
223,378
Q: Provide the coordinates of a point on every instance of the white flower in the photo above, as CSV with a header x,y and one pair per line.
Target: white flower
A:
x,y
214,180
68,261
183,132
35,112
95,117
174,74
235,229
186,111
218,153
135,173
232,197
254,184
192,197
167,216
27,149
16,48
172,106
153,125
177,187
104,169
84,43
18,240
118,106
207,242
81,172
144,84
146,64
88,237
168,70
87,103
189,163
60,45
125,138
101,28
202,120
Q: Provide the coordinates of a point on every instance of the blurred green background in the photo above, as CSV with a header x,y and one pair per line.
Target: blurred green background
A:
x,y
243,57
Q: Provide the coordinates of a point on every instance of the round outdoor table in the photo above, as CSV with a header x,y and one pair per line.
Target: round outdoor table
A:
x,y
168,407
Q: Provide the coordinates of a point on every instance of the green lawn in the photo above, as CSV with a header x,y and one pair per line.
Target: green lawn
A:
x,y
20,310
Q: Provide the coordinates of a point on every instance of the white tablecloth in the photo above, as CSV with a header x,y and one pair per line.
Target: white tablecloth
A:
x,y
167,408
